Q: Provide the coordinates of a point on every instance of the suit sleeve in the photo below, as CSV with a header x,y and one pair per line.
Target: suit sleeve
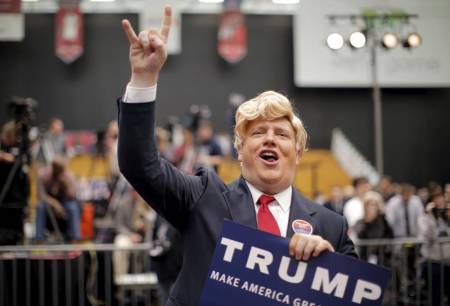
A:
x,y
170,192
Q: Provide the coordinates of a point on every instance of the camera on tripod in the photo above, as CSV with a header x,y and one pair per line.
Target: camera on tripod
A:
x,y
14,164
22,110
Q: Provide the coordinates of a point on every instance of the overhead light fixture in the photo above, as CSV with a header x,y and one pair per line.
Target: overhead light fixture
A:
x,y
390,40
335,41
102,0
413,40
285,1
29,0
210,1
357,40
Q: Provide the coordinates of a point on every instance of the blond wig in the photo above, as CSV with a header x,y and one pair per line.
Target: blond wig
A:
x,y
269,105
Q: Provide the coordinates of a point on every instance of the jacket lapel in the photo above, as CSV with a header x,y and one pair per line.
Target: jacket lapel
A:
x,y
240,204
301,209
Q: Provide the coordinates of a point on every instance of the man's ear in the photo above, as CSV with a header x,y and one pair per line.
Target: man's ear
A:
x,y
239,157
298,154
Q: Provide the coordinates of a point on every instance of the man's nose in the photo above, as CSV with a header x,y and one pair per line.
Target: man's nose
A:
x,y
270,137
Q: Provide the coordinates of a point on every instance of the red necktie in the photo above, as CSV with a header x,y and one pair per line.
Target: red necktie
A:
x,y
266,221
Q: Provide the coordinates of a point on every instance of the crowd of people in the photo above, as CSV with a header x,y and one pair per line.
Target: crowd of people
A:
x,y
120,215
393,210
388,210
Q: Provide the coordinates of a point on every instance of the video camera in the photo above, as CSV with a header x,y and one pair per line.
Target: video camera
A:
x,y
14,181
22,109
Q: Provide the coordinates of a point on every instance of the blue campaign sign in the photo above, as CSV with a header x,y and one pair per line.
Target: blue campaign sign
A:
x,y
250,267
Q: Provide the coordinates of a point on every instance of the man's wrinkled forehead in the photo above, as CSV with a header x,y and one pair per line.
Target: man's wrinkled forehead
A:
x,y
268,119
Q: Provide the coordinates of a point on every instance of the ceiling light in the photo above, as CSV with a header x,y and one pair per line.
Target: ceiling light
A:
x,y
413,40
210,1
357,40
390,40
335,41
286,1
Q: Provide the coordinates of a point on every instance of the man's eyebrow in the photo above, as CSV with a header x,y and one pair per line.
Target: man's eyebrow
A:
x,y
283,128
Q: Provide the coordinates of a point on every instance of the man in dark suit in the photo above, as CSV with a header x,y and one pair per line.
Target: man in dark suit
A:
x,y
270,140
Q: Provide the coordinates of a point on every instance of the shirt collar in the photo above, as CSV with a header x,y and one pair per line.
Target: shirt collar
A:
x,y
283,198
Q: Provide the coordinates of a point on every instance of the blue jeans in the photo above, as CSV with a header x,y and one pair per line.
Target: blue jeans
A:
x,y
72,210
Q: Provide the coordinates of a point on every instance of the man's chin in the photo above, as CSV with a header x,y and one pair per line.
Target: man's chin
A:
x,y
273,182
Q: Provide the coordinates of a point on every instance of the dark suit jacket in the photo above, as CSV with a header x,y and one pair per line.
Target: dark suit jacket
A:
x,y
197,205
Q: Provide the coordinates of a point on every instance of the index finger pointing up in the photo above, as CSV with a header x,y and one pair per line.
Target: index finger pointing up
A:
x,y
131,35
166,23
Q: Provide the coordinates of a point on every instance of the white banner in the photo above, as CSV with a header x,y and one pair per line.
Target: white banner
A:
x,y
12,27
316,65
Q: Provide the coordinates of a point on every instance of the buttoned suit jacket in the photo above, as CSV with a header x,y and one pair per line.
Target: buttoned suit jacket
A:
x,y
197,205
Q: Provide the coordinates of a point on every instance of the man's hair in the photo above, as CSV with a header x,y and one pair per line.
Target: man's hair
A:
x,y
269,105
406,188
359,181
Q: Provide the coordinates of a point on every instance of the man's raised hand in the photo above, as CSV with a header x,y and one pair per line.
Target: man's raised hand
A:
x,y
148,51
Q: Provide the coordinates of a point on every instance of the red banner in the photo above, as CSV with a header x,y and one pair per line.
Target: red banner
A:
x,y
69,34
10,6
232,36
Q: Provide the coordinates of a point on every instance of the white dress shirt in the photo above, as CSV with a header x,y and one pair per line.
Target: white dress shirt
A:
x,y
139,94
278,208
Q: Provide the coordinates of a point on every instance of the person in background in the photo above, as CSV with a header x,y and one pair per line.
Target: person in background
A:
x,y
110,143
403,212
166,256
9,147
424,195
209,153
183,156
336,201
386,188
52,143
447,193
56,193
16,193
354,208
435,224
131,223
373,226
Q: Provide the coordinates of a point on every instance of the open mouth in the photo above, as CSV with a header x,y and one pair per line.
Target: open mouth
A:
x,y
269,156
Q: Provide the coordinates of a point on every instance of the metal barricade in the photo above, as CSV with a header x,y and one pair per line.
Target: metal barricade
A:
x,y
84,275
81,275
415,279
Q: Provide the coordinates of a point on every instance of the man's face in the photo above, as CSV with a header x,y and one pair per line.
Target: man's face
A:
x,y
57,127
204,133
362,188
269,154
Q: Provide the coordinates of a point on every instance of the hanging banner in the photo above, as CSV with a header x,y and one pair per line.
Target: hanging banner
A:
x,y
10,6
232,35
250,267
12,22
69,34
